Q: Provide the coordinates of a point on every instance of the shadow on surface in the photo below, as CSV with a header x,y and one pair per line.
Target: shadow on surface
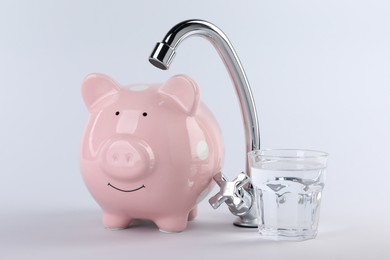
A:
x,y
83,229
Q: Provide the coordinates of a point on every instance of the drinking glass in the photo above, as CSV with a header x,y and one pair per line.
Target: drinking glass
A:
x,y
288,186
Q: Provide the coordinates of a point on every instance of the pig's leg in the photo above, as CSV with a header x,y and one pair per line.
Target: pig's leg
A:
x,y
193,213
115,222
172,224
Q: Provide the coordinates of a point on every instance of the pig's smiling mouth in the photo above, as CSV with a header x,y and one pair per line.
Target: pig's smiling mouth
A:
x,y
112,186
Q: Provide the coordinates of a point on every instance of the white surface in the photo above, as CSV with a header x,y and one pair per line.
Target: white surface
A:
x,y
71,233
320,75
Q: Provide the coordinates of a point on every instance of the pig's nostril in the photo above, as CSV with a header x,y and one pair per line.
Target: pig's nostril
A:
x,y
128,157
115,157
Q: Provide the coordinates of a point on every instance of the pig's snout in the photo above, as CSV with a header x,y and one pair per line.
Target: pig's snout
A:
x,y
127,159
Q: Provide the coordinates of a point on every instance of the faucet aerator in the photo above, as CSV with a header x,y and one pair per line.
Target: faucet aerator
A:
x,y
162,56
158,64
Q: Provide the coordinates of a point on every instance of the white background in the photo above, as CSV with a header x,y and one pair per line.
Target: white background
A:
x,y
320,75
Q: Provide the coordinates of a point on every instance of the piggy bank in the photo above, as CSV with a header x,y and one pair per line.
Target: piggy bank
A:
x,y
149,151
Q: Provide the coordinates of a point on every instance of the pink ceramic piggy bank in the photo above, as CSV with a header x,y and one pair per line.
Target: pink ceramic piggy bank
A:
x,y
148,151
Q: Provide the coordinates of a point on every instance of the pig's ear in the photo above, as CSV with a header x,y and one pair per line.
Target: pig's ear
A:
x,y
96,87
183,91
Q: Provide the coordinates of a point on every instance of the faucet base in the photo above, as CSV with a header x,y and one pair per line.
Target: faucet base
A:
x,y
245,223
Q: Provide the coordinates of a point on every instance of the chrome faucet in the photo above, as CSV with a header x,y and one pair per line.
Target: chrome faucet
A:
x,y
237,194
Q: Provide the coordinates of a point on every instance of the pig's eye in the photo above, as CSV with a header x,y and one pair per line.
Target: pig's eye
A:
x,y
117,113
144,114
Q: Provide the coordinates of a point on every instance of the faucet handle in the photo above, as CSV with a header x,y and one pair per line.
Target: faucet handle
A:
x,y
231,192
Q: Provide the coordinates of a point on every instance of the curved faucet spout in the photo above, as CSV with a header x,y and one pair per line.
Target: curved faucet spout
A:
x,y
164,53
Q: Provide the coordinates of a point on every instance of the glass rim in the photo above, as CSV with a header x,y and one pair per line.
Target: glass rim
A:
x,y
312,153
